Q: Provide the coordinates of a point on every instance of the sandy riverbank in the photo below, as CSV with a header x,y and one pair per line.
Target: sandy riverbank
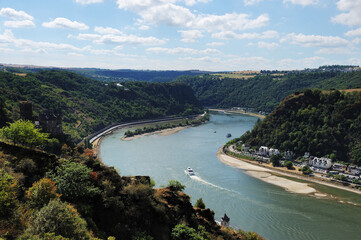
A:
x,y
164,132
238,112
252,166
266,175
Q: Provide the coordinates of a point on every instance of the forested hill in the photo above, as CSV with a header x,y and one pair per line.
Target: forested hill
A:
x,y
322,123
88,105
264,92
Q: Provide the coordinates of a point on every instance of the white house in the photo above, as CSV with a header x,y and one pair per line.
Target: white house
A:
x,y
273,151
263,151
289,155
246,147
322,162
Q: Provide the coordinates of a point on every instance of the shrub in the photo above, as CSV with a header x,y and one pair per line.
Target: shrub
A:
x,y
175,185
41,193
200,204
306,170
73,181
141,236
59,218
8,189
183,232
288,164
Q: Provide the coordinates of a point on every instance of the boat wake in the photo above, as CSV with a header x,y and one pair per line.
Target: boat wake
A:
x,y
199,179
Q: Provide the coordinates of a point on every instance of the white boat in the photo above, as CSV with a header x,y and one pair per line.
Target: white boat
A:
x,y
190,171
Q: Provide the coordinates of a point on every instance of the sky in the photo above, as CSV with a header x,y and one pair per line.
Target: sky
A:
x,y
213,35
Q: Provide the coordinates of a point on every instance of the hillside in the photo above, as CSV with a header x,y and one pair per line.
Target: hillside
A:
x,y
322,123
88,105
77,197
264,92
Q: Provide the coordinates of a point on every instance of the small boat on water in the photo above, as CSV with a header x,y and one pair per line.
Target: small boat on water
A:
x,y
190,171
229,135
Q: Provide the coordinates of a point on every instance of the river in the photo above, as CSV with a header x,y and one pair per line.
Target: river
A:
x,y
251,204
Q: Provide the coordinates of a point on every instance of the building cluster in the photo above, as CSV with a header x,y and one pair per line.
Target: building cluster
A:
x,y
49,121
320,165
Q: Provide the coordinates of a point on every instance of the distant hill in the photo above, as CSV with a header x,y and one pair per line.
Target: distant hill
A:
x,y
109,75
88,105
265,91
322,123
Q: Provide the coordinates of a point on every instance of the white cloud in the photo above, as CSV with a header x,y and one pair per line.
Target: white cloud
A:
x,y
88,1
356,41
192,2
229,22
233,35
65,23
107,30
19,24
190,35
85,36
352,33
180,50
8,37
302,2
169,13
352,15
316,40
331,51
251,2
143,27
73,54
15,15
267,45
129,39
211,44
301,63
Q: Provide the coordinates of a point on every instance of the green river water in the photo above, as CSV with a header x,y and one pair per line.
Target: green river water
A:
x,y
251,204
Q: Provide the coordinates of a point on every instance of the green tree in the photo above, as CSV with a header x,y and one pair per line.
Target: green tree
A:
x,y
183,232
25,133
142,236
288,164
275,160
41,193
59,218
306,170
175,185
73,181
200,204
8,190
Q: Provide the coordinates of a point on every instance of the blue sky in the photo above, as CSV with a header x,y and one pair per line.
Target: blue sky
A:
x,y
213,35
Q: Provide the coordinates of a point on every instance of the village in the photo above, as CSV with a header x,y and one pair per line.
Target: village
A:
x,y
321,167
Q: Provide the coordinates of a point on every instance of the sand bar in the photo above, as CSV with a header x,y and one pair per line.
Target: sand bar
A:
x,y
265,175
164,132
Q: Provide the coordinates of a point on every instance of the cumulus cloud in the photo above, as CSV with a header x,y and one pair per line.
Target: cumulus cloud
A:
x,y
302,2
8,37
316,40
232,35
107,30
169,13
333,51
192,2
180,50
66,24
211,44
267,45
88,1
251,2
15,15
353,33
190,35
352,12
108,35
19,24
129,39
